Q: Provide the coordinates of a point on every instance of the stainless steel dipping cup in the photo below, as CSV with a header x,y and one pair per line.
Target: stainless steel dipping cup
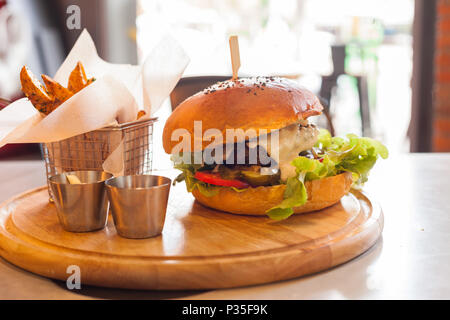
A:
x,y
81,207
138,204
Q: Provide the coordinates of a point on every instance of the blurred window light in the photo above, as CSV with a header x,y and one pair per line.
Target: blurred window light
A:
x,y
273,36
293,38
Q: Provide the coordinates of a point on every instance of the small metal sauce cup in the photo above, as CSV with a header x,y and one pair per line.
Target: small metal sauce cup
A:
x,y
138,204
81,207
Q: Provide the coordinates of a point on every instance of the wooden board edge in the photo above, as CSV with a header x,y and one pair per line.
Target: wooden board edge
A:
x,y
32,259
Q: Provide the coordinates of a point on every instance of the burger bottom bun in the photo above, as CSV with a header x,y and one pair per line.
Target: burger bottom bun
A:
x,y
322,193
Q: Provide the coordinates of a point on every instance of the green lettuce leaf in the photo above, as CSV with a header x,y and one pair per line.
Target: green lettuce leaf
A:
x,y
355,154
294,196
337,155
313,169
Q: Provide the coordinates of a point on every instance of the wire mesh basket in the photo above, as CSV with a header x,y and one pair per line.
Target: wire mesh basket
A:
x,y
89,150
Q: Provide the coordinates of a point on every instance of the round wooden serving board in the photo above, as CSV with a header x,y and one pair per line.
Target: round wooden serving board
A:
x,y
199,248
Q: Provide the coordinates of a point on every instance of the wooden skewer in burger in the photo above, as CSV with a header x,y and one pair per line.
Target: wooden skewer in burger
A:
x,y
307,169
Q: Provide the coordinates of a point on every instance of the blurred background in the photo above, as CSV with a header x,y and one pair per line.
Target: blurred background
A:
x,y
380,67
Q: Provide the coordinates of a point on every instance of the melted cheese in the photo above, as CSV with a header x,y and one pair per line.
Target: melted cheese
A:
x,y
291,141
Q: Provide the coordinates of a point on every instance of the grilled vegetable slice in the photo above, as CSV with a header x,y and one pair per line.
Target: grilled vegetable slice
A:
x,y
258,179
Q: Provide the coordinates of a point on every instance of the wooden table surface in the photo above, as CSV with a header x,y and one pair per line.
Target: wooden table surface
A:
x,y
410,261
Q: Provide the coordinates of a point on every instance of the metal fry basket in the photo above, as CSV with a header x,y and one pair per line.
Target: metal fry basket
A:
x,y
89,150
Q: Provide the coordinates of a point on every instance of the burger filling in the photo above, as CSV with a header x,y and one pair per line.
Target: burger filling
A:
x,y
302,153
291,141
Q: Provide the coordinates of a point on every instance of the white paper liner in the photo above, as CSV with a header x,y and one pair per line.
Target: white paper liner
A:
x,y
116,96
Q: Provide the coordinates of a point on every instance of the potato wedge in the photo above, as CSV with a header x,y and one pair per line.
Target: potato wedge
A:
x,y
35,92
73,179
45,100
59,93
140,114
77,78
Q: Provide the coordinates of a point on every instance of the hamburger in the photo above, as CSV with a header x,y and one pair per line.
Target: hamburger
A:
x,y
245,146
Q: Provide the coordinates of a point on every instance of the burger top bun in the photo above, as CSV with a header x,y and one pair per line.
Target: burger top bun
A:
x,y
267,103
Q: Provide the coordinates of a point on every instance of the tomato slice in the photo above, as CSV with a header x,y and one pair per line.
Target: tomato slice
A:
x,y
215,179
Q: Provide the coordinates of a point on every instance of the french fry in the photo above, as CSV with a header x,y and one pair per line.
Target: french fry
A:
x,y
59,93
77,78
35,92
73,179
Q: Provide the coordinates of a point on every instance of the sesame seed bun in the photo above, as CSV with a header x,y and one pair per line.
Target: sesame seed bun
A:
x,y
267,103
